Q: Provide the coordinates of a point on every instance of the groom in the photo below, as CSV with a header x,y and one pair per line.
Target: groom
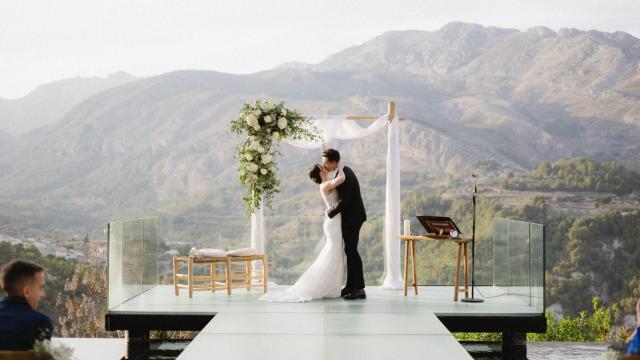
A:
x,y
353,215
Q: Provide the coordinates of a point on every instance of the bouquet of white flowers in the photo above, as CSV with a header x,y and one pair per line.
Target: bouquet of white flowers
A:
x,y
44,349
265,125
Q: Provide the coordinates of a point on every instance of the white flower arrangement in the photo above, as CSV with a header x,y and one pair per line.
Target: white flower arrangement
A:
x,y
266,159
258,154
44,349
282,122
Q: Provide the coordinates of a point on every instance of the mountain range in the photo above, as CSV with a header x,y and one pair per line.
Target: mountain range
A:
x,y
50,102
471,95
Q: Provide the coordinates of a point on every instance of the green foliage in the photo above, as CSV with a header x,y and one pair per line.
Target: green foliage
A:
x,y
591,256
578,174
265,124
478,337
589,326
596,326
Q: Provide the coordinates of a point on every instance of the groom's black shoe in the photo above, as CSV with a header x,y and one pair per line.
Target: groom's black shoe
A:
x,y
346,291
355,294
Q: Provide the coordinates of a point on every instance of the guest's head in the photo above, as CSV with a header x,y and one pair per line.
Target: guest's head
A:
x,y
24,279
330,159
317,174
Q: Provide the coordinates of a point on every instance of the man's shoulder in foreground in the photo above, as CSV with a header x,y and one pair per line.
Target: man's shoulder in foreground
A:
x,y
20,325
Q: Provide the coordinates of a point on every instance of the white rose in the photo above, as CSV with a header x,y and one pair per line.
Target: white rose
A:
x,y
256,127
275,136
266,159
255,145
251,120
263,171
248,157
268,119
268,105
261,150
252,167
257,112
282,123
284,112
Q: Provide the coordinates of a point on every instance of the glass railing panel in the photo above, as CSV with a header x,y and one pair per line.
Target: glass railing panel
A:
x,y
501,269
180,234
132,258
115,285
293,244
519,258
151,233
536,246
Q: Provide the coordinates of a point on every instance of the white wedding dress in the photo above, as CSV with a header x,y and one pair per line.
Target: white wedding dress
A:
x,y
323,279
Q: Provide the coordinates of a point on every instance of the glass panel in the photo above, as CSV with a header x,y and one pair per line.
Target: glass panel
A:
x,y
293,243
501,253
179,234
132,258
519,258
115,265
537,266
150,254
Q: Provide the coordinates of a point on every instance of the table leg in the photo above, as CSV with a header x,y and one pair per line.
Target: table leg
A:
x,y
406,266
249,270
228,274
175,275
457,282
265,274
190,277
413,265
213,276
466,272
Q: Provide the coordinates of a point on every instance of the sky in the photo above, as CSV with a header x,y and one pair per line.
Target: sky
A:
x,y
44,41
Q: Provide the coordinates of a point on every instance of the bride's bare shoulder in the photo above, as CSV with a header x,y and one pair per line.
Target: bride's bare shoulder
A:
x,y
326,191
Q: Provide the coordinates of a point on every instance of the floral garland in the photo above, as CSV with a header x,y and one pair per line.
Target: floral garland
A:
x,y
265,125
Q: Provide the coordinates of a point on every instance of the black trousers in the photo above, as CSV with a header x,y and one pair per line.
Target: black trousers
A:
x,y
351,235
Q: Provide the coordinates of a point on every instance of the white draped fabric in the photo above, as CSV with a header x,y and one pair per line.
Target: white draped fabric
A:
x,y
393,277
257,234
340,128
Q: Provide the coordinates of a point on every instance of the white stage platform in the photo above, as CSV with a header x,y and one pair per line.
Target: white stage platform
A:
x,y
384,326
431,299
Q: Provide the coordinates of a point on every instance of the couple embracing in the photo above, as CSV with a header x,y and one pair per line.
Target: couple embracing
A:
x,y
344,217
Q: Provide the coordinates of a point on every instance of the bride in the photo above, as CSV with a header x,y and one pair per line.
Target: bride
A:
x,y
323,279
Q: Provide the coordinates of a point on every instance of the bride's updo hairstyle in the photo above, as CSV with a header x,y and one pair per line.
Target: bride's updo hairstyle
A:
x,y
314,174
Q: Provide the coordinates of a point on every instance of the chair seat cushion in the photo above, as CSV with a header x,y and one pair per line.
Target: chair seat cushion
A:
x,y
243,252
207,252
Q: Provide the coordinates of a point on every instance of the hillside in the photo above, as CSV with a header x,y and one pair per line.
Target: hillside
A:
x,y
50,102
473,96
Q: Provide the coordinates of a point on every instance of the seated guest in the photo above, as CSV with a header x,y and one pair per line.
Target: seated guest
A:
x,y
20,323
633,347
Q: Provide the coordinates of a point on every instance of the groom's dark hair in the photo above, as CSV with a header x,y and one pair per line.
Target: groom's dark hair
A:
x,y
331,155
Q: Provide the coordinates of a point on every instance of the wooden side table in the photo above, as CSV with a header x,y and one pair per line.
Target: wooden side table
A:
x,y
410,252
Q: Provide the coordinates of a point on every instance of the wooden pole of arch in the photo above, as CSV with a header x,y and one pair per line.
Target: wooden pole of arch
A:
x,y
391,113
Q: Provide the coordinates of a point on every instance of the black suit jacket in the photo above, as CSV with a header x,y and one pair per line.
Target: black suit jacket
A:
x,y
20,325
350,203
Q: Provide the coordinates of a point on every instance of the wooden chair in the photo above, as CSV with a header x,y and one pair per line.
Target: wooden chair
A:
x,y
245,275
209,282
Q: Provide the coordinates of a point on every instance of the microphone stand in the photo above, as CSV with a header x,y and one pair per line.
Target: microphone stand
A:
x,y
473,299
